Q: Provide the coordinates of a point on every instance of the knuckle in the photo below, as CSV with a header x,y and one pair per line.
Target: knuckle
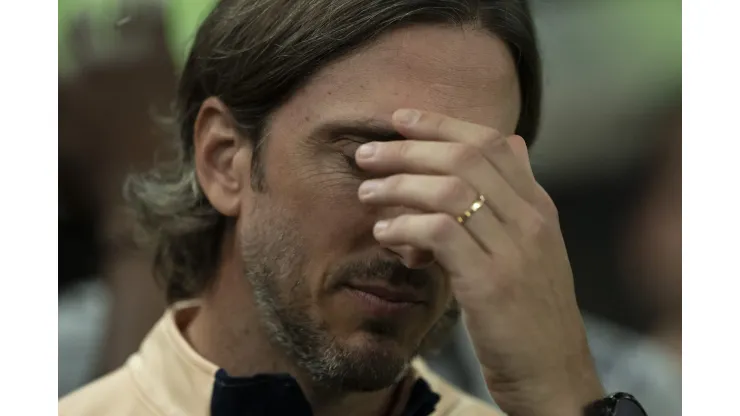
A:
x,y
452,189
491,139
534,226
395,182
546,204
398,225
402,148
440,227
465,155
549,208
439,123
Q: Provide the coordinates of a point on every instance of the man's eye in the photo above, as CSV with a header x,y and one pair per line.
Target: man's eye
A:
x,y
349,147
352,162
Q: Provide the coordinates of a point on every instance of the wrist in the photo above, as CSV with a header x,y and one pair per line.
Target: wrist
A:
x,y
548,398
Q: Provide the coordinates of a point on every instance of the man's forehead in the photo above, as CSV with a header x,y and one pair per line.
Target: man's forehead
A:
x,y
461,72
454,56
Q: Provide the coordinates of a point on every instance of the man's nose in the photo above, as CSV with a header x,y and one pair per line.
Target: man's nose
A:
x,y
411,257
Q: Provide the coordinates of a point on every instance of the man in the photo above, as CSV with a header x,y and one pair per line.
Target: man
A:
x,y
352,175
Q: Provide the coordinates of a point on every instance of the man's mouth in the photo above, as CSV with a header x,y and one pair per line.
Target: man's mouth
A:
x,y
383,300
390,294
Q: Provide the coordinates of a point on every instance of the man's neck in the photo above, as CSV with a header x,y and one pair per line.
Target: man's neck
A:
x,y
224,331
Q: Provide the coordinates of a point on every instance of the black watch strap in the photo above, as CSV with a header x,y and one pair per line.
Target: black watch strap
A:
x,y
617,404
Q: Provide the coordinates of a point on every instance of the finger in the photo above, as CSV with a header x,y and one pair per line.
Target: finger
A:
x,y
454,248
423,125
446,194
415,156
431,193
412,257
543,203
521,152
447,159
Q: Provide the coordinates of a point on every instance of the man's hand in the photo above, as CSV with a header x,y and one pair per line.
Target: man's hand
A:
x,y
507,262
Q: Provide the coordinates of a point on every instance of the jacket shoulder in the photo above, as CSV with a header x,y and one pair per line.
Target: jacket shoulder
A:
x,y
468,406
453,402
115,394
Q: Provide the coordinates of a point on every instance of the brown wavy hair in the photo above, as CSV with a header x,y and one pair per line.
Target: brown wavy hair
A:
x,y
253,55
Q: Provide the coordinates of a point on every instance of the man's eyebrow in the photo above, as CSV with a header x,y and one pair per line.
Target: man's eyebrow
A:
x,y
370,130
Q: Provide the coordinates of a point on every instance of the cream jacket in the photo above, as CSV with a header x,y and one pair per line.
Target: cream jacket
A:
x,y
166,377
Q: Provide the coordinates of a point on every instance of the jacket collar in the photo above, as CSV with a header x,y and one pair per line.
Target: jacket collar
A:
x,y
177,380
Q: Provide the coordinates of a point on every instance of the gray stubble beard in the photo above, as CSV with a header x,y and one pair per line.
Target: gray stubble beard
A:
x,y
271,254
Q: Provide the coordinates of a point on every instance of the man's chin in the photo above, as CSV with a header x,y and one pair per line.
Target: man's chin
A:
x,y
373,362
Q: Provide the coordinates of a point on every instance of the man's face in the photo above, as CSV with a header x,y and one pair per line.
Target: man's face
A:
x,y
345,309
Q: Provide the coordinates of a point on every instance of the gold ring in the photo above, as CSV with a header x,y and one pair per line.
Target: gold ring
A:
x,y
475,206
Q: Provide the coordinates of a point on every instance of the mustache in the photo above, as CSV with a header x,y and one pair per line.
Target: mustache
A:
x,y
391,272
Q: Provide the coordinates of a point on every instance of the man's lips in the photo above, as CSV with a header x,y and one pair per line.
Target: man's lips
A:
x,y
390,294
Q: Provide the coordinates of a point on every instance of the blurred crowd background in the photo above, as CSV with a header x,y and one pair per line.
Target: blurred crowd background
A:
x,y
609,153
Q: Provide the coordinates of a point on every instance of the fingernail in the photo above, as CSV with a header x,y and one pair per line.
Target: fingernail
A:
x,y
367,188
407,117
380,227
366,151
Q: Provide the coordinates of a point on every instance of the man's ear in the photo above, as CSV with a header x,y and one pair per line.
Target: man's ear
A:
x,y
222,158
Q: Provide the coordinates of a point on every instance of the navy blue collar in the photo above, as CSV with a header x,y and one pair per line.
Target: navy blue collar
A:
x,y
280,394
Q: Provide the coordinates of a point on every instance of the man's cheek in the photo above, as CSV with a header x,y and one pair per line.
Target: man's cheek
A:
x,y
332,200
